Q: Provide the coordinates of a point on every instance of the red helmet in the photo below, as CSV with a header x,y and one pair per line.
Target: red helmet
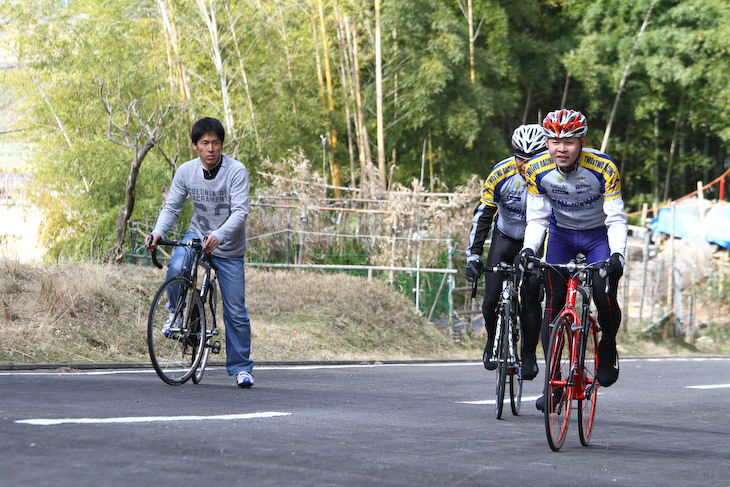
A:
x,y
564,123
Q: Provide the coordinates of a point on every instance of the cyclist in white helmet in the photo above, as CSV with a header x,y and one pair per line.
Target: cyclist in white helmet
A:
x,y
505,195
575,192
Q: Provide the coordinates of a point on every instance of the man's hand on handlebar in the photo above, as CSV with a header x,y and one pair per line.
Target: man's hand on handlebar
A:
x,y
151,241
474,269
523,260
210,244
614,265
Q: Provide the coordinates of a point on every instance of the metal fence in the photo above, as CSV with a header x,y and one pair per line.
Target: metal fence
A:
x,y
430,273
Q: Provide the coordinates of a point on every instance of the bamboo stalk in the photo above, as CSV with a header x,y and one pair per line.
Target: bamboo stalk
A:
x,y
334,165
345,94
379,98
246,86
207,13
624,76
363,142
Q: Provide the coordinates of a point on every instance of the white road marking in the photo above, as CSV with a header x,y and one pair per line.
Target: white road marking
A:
x,y
147,419
714,386
262,367
494,401
324,366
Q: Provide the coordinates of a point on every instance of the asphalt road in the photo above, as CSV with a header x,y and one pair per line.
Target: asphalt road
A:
x,y
664,423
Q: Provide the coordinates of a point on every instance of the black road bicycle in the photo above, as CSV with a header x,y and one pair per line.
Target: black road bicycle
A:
x,y
507,336
187,305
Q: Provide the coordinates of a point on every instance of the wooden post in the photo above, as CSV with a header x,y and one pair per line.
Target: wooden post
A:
x,y
701,209
626,280
451,289
645,268
670,289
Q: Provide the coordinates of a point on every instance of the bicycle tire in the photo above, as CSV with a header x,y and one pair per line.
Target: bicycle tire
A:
x,y
515,379
503,356
175,356
558,388
210,328
589,365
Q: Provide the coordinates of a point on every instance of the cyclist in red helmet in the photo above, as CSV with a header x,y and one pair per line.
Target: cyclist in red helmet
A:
x,y
503,201
575,192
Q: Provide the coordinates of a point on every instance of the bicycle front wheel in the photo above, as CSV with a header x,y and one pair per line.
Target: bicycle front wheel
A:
x,y
515,377
177,352
211,332
558,388
587,405
503,357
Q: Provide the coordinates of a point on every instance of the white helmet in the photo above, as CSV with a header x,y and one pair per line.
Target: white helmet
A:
x,y
528,140
560,124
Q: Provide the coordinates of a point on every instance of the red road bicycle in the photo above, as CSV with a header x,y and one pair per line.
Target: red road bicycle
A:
x,y
572,356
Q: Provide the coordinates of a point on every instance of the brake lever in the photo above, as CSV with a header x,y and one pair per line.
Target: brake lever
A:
x,y
153,253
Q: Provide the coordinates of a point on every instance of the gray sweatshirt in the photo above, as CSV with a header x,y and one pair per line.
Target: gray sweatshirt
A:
x,y
220,205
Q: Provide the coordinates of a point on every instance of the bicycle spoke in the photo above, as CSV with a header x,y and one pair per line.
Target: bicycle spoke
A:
x,y
174,356
502,357
587,405
558,390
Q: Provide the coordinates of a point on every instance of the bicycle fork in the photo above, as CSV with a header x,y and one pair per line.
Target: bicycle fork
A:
x,y
208,290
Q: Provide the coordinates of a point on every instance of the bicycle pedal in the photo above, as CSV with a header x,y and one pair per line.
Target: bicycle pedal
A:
x,y
216,347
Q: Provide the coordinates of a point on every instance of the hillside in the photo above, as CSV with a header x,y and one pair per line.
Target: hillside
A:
x,y
87,313
98,313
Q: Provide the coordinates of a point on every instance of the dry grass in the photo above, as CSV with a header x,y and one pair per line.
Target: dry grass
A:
x,y
298,315
72,312
98,313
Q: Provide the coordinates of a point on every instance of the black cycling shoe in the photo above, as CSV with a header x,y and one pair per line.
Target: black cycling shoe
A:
x,y
487,358
607,366
557,398
529,367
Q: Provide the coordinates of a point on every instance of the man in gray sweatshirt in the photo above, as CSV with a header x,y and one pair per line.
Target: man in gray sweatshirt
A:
x,y
218,188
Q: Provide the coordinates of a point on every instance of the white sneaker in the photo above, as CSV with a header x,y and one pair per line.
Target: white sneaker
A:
x,y
244,379
169,323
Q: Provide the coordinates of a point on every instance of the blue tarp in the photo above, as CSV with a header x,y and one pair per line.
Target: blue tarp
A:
x,y
716,224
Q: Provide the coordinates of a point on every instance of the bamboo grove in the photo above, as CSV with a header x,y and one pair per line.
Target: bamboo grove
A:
x,y
371,93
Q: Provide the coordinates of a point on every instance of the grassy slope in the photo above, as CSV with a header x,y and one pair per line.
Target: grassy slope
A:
x,y
98,313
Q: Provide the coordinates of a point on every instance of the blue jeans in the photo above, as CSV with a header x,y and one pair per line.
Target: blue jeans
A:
x,y
232,283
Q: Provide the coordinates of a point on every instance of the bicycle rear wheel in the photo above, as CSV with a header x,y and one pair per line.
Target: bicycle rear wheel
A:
x,y
503,356
515,378
210,343
587,405
558,391
176,355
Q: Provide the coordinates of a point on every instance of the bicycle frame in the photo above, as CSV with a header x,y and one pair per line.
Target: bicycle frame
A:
x,y
569,376
504,350
509,298
579,283
204,326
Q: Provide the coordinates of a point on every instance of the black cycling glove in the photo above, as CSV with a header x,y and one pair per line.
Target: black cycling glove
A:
x,y
523,260
613,266
474,269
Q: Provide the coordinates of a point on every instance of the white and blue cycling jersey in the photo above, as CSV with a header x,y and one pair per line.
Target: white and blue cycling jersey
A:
x,y
587,198
504,194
